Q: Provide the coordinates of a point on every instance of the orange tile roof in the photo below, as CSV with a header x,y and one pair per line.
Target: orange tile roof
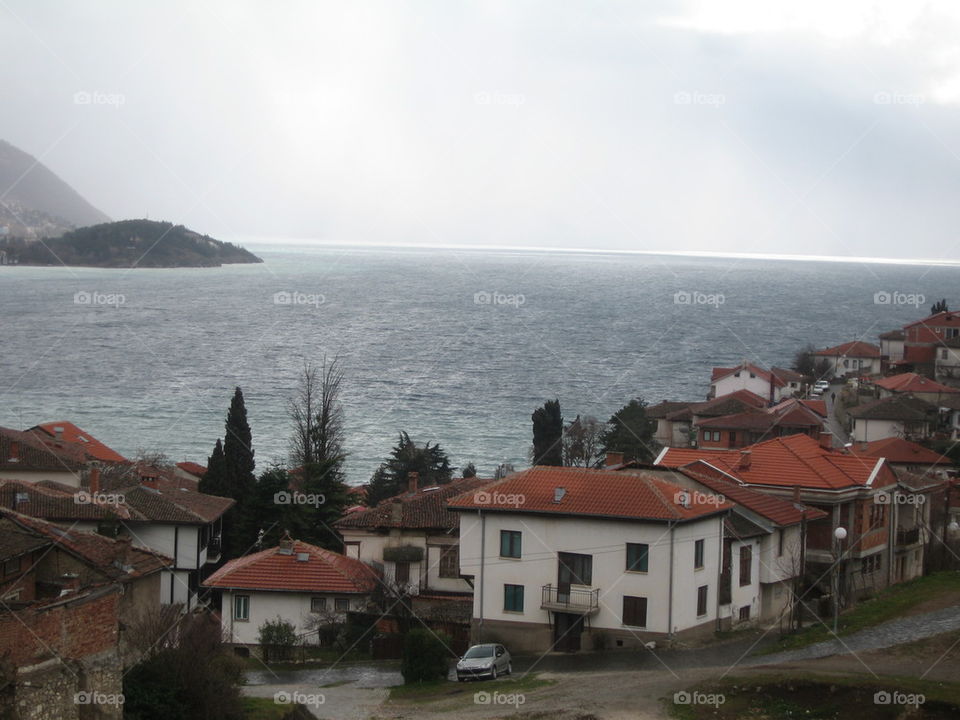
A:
x,y
76,436
323,571
941,319
195,469
792,461
899,450
721,372
856,348
913,383
588,492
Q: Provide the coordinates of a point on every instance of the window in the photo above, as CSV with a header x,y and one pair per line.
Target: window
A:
x,y
634,611
746,564
450,561
745,613
780,542
513,598
401,572
870,565
341,604
510,543
241,607
11,567
575,568
637,557
943,354
877,515
702,600
698,554
318,604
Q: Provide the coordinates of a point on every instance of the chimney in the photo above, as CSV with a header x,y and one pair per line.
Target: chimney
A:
x,y
614,458
413,481
796,493
94,480
148,478
826,441
286,543
745,457
396,511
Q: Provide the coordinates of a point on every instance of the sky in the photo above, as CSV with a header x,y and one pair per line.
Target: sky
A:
x,y
818,128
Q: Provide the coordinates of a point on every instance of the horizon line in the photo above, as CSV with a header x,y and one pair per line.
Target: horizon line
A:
x,y
605,251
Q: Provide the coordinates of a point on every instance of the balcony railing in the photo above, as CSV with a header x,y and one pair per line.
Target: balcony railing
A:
x,y
908,537
574,600
213,549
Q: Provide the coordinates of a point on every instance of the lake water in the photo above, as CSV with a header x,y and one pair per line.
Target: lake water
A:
x,y
453,346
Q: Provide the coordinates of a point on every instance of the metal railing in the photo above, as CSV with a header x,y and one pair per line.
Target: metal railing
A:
x,y
579,599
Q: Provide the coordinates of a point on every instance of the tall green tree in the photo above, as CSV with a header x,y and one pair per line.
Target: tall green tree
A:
x,y
239,481
392,477
939,307
214,480
631,432
548,434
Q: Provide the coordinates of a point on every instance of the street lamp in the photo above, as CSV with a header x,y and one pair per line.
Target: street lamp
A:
x,y
839,535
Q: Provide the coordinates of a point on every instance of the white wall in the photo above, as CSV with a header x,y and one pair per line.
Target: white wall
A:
x,y
731,383
167,539
606,541
870,430
290,606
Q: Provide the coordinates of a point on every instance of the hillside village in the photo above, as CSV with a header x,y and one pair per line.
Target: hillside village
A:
x,y
776,499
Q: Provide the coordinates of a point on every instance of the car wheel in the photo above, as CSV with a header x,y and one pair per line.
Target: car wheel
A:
x,y
493,673
509,668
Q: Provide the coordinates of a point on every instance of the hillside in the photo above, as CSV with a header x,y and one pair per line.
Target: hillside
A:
x,y
124,244
35,201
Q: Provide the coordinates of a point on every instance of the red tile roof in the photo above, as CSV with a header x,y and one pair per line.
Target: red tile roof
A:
x,y
942,319
788,375
323,571
587,493
424,509
792,461
27,451
192,468
72,434
719,373
913,383
737,401
818,406
856,348
898,450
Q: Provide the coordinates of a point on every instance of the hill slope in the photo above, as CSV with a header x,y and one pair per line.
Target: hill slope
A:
x,y
35,200
124,244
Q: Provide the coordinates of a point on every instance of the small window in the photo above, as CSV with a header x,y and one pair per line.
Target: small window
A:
x,y
634,611
318,604
744,613
11,567
943,354
401,572
780,542
702,600
746,564
513,598
450,561
698,554
341,604
241,607
510,543
637,557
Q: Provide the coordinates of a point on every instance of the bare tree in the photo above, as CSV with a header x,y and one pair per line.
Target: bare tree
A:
x,y
583,442
317,415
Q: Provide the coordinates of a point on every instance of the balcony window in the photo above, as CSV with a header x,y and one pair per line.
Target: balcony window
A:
x,y
575,568
510,543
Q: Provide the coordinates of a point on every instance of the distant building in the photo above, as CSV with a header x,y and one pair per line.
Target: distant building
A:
x,y
851,359
902,416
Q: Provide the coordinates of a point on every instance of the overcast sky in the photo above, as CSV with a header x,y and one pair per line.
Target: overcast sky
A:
x,y
818,127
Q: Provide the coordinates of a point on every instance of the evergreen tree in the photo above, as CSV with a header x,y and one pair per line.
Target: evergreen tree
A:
x,y
631,432
214,480
392,477
239,480
939,307
548,434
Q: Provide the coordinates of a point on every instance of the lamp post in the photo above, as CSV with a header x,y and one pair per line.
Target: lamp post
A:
x,y
839,535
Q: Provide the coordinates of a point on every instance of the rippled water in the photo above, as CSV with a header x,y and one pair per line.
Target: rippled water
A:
x,y
420,353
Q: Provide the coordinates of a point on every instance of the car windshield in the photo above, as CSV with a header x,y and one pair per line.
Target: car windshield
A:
x,y
479,651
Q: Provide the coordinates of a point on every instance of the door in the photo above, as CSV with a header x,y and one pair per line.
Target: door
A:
x,y
566,632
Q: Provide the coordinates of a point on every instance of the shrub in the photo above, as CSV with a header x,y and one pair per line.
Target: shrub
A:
x,y
277,638
425,656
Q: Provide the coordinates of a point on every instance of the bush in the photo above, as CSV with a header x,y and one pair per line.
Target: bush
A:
x,y
277,638
425,656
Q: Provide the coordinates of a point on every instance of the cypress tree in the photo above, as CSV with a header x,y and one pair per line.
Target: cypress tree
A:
x,y
548,434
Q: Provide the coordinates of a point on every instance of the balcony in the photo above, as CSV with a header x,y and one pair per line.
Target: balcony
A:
x,y
213,549
908,537
570,600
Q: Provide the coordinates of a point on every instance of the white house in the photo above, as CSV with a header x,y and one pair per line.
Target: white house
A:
x,y
900,416
747,376
851,358
295,581
564,558
25,456
891,347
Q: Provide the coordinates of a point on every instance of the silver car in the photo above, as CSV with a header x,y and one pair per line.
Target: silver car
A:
x,y
487,660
